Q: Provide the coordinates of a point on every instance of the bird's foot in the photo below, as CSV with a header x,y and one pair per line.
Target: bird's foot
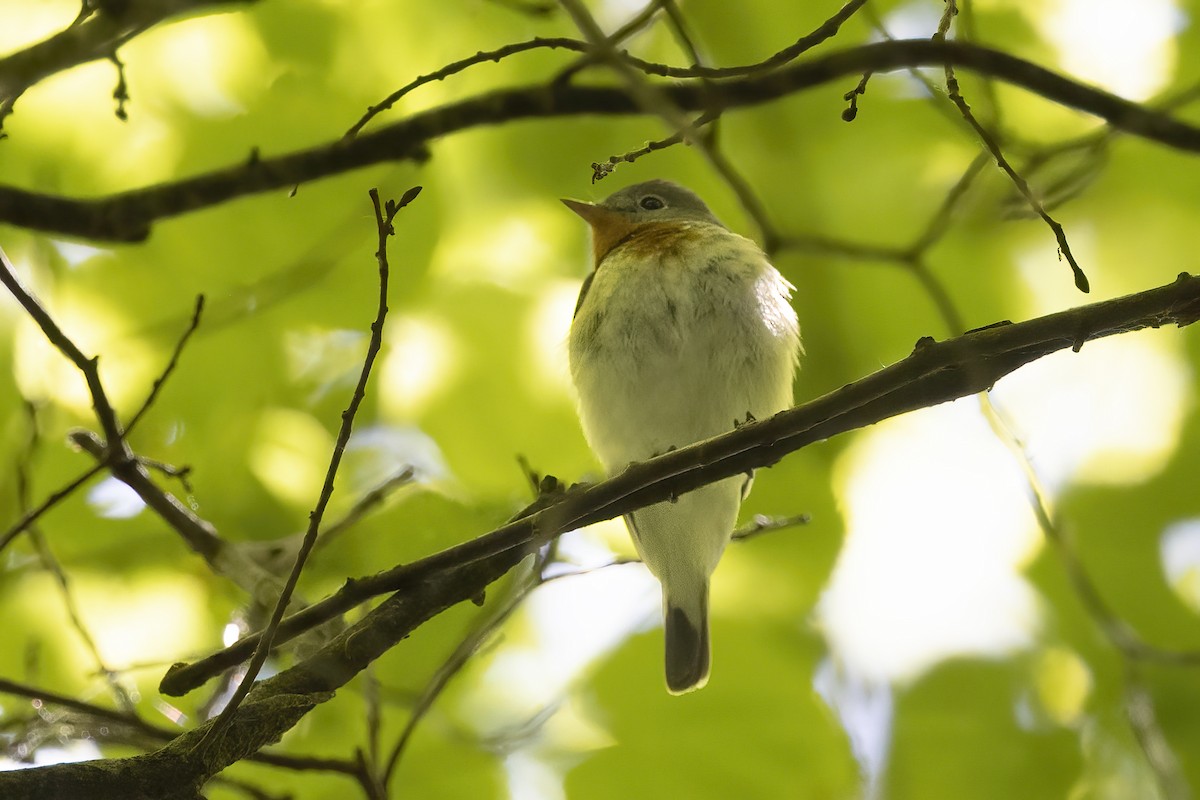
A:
x,y
737,423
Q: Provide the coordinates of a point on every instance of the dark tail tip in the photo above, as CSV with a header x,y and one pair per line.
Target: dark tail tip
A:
x,y
687,651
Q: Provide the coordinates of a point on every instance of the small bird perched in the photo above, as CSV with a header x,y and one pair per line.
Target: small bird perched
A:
x,y
683,331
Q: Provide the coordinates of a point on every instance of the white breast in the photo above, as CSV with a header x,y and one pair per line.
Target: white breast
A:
x,y
673,348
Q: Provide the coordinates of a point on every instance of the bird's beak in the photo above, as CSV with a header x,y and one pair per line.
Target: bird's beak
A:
x,y
608,227
596,216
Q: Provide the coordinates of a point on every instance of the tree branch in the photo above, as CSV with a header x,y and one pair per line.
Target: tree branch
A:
x,y
274,706
105,414
89,38
385,229
936,372
129,216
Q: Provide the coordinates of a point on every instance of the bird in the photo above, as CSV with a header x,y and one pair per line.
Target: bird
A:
x,y
682,331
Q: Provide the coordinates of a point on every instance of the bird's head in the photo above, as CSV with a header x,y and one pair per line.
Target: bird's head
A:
x,y
651,202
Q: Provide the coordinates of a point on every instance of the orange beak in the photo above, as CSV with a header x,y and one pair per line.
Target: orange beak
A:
x,y
608,226
596,216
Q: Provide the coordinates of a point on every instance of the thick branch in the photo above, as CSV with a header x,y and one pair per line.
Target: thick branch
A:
x,y
179,769
88,39
128,216
936,372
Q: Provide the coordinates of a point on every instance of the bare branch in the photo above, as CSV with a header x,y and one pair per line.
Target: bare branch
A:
x,y
827,30
105,413
464,651
128,216
364,504
171,364
51,564
199,534
1143,719
146,730
763,524
637,22
53,499
936,372
383,222
993,147
89,38
455,67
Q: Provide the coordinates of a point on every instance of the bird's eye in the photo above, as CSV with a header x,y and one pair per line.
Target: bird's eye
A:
x,y
651,203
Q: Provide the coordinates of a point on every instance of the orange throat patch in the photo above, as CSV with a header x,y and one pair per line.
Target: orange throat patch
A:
x,y
650,237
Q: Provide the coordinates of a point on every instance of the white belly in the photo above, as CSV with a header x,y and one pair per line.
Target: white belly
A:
x,y
666,354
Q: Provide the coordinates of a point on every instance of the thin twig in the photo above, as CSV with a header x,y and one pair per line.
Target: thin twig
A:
x,y
121,93
200,534
533,8
687,42
248,789
1095,147
850,112
105,413
383,221
647,96
637,22
1139,706
158,733
126,718
171,364
91,36
1143,720
697,70
52,565
939,223
455,67
683,34
652,99
993,147
30,516
53,499
968,32
763,524
911,258
938,295
470,644
364,504
932,87
6,110
831,247
826,30
375,783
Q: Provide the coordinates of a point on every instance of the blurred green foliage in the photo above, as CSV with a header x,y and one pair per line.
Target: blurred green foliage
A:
x,y
485,267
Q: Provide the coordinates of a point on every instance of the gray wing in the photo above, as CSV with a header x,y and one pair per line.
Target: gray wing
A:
x,y
583,290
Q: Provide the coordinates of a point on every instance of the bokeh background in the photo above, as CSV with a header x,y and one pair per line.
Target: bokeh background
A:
x,y
920,637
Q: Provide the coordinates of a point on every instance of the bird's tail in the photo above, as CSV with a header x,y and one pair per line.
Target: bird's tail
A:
x,y
685,620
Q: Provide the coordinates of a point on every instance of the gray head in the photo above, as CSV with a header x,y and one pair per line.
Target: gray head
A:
x,y
658,200
641,204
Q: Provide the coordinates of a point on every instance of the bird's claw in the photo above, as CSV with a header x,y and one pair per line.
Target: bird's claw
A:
x,y
737,423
